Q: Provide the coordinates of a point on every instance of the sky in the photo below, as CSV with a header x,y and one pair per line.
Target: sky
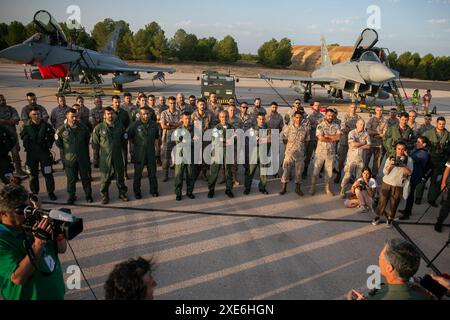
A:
x,y
421,26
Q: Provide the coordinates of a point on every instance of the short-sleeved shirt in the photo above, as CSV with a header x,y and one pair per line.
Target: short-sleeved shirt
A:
x,y
246,121
356,154
349,123
396,176
9,113
296,139
274,120
326,129
207,118
379,125
38,286
169,118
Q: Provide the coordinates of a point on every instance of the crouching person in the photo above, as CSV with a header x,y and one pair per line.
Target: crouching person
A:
x,y
363,192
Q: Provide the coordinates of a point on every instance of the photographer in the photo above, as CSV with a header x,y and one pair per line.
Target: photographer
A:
x,y
363,192
396,170
21,277
420,158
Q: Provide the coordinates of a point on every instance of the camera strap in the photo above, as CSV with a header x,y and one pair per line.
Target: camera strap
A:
x,y
30,253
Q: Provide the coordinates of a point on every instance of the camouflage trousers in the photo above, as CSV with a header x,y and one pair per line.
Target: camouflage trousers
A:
x,y
319,161
352,170
166,155
296,164
378,155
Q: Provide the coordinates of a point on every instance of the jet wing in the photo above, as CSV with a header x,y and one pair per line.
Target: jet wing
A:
x,y
297,78
131,69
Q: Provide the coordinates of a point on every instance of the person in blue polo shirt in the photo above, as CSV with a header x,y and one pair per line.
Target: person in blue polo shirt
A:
x,y
34,276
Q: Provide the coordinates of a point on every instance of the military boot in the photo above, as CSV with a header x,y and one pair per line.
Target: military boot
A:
x,y
328,190
298,190
313,186
283,189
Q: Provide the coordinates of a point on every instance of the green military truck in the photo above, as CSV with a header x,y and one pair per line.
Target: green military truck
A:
x,y
222,84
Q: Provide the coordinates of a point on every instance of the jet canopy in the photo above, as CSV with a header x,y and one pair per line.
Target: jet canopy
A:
x,y
369,56
48,26
366,41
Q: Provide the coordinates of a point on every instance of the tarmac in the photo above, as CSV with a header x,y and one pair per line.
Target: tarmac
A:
x,y
250,247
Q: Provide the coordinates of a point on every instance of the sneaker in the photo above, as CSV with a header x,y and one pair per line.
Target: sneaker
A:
x,y
376,221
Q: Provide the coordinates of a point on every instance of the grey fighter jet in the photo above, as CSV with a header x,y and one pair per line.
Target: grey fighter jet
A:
x,y
363,75
55,58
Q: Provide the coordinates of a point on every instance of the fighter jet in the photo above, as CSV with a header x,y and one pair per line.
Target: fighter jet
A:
x,y
55,58
363,75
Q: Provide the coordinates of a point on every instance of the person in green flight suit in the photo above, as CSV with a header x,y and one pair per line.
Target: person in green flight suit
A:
x,y
74,138
110,136
7,141
219,136
38,138
397,132
184,163
143,133
255,159
123,117
439,152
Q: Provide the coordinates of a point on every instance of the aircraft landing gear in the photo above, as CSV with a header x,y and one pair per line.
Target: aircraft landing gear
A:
x,y
118,87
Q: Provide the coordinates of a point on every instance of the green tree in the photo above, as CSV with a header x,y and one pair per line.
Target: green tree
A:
x,y
79,37
102,31
424,69
16,33
273,53
150,43
3,36
204,51
440,69
183,45
392,59
226,50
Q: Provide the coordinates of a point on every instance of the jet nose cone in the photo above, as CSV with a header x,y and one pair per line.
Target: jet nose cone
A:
x,y
20,53
381,73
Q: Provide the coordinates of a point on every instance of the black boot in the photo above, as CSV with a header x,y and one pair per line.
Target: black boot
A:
x,y
283,189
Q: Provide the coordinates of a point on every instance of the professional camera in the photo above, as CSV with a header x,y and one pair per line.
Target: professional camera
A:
x,y
400,161
62,221
362,185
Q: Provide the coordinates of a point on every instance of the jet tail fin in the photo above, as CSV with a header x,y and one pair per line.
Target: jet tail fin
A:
x,y
325,56
111,45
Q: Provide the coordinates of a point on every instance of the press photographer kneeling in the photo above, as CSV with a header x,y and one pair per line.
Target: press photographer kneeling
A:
x,y
363,192
29,264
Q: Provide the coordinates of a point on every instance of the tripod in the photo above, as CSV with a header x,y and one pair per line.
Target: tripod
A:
x,y
440,251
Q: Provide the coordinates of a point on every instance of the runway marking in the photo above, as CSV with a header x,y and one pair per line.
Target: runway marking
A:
x,y
265,260
303,281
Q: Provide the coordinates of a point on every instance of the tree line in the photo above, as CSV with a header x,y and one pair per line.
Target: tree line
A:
x,y
151,44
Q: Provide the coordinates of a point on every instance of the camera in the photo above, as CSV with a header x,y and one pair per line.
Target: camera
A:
x,y
362,185
61,220
400,161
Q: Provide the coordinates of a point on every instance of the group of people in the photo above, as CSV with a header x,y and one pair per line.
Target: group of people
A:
x,y
146,130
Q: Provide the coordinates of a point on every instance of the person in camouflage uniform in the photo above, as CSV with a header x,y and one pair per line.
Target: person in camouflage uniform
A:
x,y
257,109
170,120
9,117
158,109
132,110
32,102
184,164
234,121
426,126
263,136
274,120
202,118
313,119
38,138
110,136
328,134
7,141
412,123
396,133
297,106
348,124
358,141
74,137
96,117
182,106
215,107
392,120
296,137
219,139
144,133
376,127
439,151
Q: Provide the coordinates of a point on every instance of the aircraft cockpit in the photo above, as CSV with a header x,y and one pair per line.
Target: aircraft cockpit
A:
x,y
49,27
